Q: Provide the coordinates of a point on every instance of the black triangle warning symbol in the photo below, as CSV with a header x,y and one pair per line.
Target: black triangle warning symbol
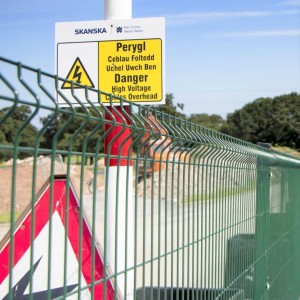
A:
x,y
78,74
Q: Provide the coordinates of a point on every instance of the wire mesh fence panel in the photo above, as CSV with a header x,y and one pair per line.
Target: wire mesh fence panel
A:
x,y
124,201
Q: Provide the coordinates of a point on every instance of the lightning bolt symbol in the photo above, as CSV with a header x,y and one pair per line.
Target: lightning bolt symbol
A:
x,y
18,291
77,75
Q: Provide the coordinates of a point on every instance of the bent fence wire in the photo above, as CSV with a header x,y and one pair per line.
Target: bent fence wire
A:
x,y
184,213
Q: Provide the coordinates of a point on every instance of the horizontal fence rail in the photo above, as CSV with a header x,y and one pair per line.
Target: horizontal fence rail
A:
x,y
124,201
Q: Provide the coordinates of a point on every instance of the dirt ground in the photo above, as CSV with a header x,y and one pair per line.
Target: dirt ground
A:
x,y
23,181
161,185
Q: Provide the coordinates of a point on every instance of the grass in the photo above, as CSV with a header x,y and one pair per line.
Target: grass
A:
x,y
5,217
223,193
287,150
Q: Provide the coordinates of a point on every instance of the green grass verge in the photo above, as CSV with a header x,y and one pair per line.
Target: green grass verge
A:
x,y
287,150
5,217
222,193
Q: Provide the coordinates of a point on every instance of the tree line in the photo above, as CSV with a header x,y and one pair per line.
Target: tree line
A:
x,y
271,120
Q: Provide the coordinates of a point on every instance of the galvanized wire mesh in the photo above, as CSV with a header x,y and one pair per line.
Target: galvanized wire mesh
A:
x,y
202,215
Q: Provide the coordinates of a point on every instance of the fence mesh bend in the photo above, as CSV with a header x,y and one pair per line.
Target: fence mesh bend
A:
x,y
101,202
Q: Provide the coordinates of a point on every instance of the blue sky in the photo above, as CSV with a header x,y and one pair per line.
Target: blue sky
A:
x,y
220,54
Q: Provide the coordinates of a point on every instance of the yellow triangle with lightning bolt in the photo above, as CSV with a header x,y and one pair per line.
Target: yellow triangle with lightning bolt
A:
x,y
78,74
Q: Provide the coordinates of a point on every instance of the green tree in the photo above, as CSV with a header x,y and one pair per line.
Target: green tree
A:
x,y
169,107
74,129
251,122
285,130
271,120
213,121
10,128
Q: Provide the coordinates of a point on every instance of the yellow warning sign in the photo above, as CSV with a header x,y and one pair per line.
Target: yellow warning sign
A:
x,y
78,74
131,69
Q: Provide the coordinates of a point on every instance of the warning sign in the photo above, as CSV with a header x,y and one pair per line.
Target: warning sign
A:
x,y
79,75
124,58
131,69
62,249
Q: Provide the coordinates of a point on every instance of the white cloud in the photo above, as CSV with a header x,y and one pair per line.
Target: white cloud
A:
x,y
257,34
195,17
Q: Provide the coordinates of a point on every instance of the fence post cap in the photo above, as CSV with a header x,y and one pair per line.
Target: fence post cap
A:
x,y
264,145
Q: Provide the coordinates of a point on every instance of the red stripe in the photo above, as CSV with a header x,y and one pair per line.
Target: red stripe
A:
x,y
41,210
118,140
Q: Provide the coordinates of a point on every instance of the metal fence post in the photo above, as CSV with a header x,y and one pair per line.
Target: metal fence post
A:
x,y
294,207
261,283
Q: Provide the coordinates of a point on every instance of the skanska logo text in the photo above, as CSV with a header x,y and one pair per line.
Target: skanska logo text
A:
x,y
90,31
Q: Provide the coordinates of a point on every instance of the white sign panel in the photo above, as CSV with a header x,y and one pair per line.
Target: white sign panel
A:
x,y
21,270
125,58
68,259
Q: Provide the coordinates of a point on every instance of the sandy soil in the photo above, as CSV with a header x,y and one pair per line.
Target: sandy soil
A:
x,y
176,183
24,181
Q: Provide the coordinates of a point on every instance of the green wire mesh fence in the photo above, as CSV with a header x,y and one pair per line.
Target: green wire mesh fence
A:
x,y
102,202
